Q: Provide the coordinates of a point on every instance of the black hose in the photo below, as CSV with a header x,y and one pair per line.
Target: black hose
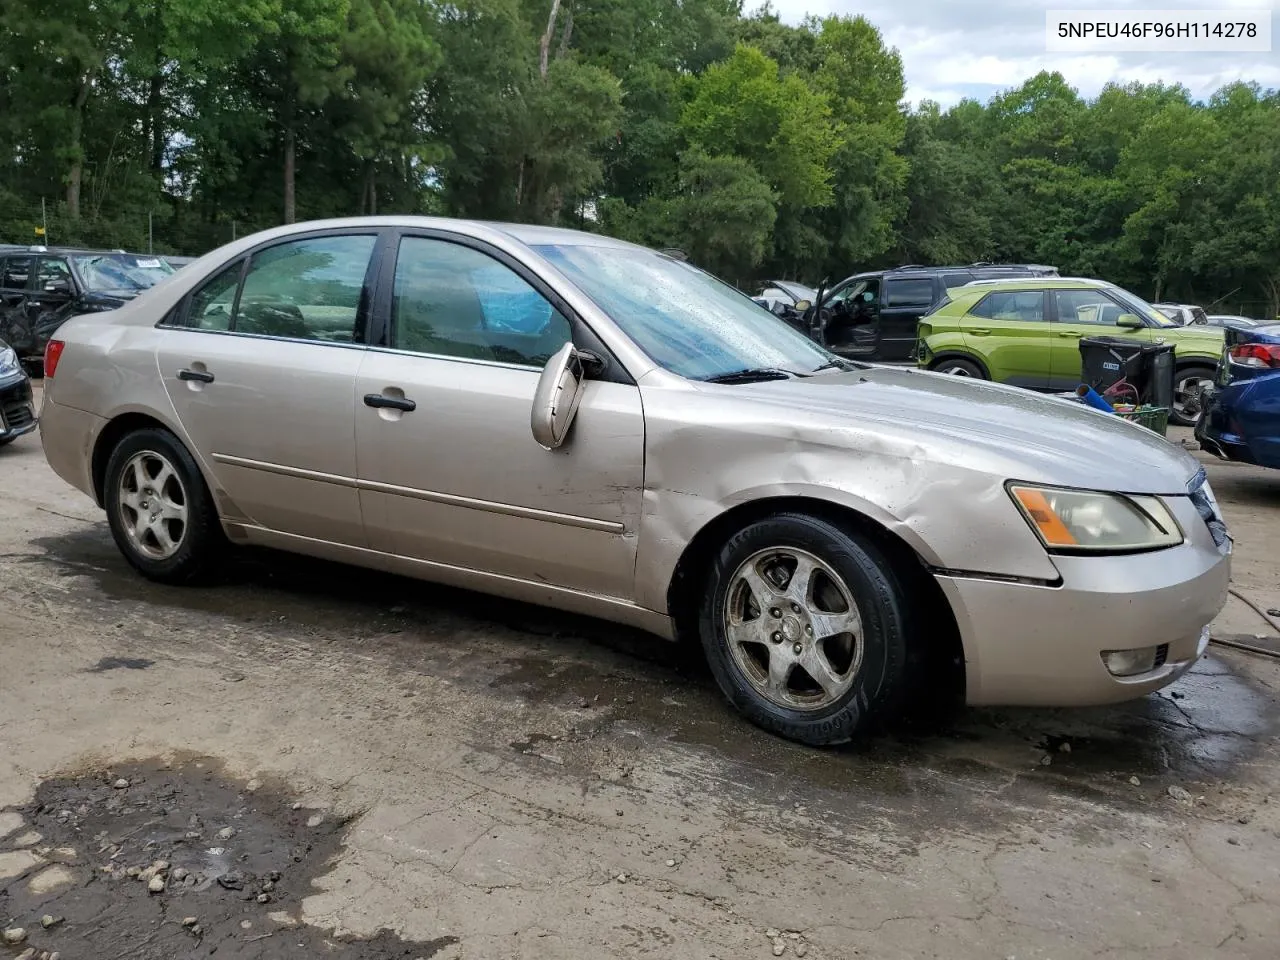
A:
x,y
1248,647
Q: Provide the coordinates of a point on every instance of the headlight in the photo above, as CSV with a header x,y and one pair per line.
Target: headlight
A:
x,y
8,362
1085,520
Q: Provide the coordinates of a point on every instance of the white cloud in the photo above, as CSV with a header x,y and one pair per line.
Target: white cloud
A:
x,y
956,48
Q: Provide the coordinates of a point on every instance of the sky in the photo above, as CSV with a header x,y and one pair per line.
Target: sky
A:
x,y
952,49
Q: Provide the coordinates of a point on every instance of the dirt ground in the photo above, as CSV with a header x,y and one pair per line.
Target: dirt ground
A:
x,y
315,761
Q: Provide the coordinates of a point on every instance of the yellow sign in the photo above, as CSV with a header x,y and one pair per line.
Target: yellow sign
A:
x,y
39,231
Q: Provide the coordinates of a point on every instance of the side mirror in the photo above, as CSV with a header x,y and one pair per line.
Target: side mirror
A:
x,y
1130,320
556,400
803,305
59,285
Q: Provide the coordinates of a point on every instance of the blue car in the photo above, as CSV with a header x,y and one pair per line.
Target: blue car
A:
x,y
1241,418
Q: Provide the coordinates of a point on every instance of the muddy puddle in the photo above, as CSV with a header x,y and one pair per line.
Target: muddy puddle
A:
x,y
159,862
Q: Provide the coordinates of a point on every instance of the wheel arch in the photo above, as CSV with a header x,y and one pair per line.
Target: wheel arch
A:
x,y
689,579
116,430
953,354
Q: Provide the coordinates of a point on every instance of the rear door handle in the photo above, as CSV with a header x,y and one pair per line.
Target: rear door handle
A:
x,y
383,402
203,376
1071,336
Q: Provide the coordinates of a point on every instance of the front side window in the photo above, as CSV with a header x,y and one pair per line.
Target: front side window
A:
x,y
308,289
455,301
684,319
908,293
1024,305
53,275
1087,306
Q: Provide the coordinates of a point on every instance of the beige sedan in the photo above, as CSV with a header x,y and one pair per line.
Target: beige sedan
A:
x,y
573,421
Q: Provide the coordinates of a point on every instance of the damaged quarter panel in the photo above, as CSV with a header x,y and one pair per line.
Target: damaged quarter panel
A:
x,y
923,455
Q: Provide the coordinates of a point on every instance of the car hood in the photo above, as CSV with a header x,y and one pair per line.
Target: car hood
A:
x,y
988,427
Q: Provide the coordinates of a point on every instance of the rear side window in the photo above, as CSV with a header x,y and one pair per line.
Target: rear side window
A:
x,y
306,289
1024,305
951,280
212,305
908,293
14,273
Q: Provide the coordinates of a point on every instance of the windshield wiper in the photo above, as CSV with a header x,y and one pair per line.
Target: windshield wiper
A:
x,y
751,375
836,364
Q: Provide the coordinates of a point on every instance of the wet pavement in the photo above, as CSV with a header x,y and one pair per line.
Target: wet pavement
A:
x,y
496,780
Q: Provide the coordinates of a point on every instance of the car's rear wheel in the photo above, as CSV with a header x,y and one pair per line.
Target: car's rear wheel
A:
x,y
159,509
805,627
1188,402
960,368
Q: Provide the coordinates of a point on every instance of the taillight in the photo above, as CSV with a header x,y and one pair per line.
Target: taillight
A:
x,y
1256,355
52,354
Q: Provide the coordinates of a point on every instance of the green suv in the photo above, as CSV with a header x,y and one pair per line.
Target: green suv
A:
x,y
1027,333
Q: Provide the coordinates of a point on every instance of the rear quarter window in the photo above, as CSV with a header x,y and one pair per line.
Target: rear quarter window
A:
x,y
915,292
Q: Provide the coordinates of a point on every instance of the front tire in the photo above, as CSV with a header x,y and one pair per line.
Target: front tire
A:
x,y
1188,403
959,368
160,512
805,627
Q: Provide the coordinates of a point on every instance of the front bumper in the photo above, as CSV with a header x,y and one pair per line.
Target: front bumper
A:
x,y
1036,645
17,409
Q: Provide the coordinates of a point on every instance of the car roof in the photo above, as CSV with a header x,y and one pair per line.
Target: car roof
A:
x,y
1061,283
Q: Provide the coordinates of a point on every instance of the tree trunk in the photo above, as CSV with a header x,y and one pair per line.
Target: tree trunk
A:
x,y
564,37
369,202
75,175
155,119
544,45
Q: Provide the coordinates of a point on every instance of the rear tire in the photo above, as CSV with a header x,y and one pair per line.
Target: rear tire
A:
x,y
1187,402
159,509
812,660
959,368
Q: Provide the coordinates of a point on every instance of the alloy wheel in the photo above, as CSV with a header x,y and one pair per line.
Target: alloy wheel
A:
x,y
153,505
793,628
1187,398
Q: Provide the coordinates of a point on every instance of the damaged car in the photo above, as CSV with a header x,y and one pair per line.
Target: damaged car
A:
x,y
574,421
41,287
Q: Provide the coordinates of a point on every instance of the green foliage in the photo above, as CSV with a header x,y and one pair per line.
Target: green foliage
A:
x,y
761,148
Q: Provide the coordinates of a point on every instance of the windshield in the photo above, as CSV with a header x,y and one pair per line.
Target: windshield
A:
x,y
1143,309
117,272
687,321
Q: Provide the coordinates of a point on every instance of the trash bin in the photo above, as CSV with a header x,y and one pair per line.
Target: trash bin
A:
x,y
1145,367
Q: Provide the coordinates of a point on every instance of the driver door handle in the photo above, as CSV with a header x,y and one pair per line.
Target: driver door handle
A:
x,y
203,376
1071,336
381,401
979,331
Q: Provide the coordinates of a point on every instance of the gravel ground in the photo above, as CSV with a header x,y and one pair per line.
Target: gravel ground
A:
x,y
409,771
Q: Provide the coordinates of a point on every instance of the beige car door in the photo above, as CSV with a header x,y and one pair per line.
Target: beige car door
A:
x,y
260,363
449,470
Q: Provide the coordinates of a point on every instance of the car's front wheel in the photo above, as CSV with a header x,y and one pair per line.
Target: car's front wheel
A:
x,y
805,627
960,368
1188,400
159,509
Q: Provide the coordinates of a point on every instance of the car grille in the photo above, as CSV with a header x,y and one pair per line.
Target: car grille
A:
x,y
1200,498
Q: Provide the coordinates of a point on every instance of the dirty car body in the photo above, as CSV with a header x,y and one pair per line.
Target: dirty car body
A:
x,y
573,421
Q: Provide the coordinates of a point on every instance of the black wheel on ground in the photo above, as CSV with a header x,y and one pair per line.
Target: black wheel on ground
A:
x,y
159,509
956,367
1187,401
806,628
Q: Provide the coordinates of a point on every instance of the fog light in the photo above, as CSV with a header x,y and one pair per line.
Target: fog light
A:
x,y
1130,663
